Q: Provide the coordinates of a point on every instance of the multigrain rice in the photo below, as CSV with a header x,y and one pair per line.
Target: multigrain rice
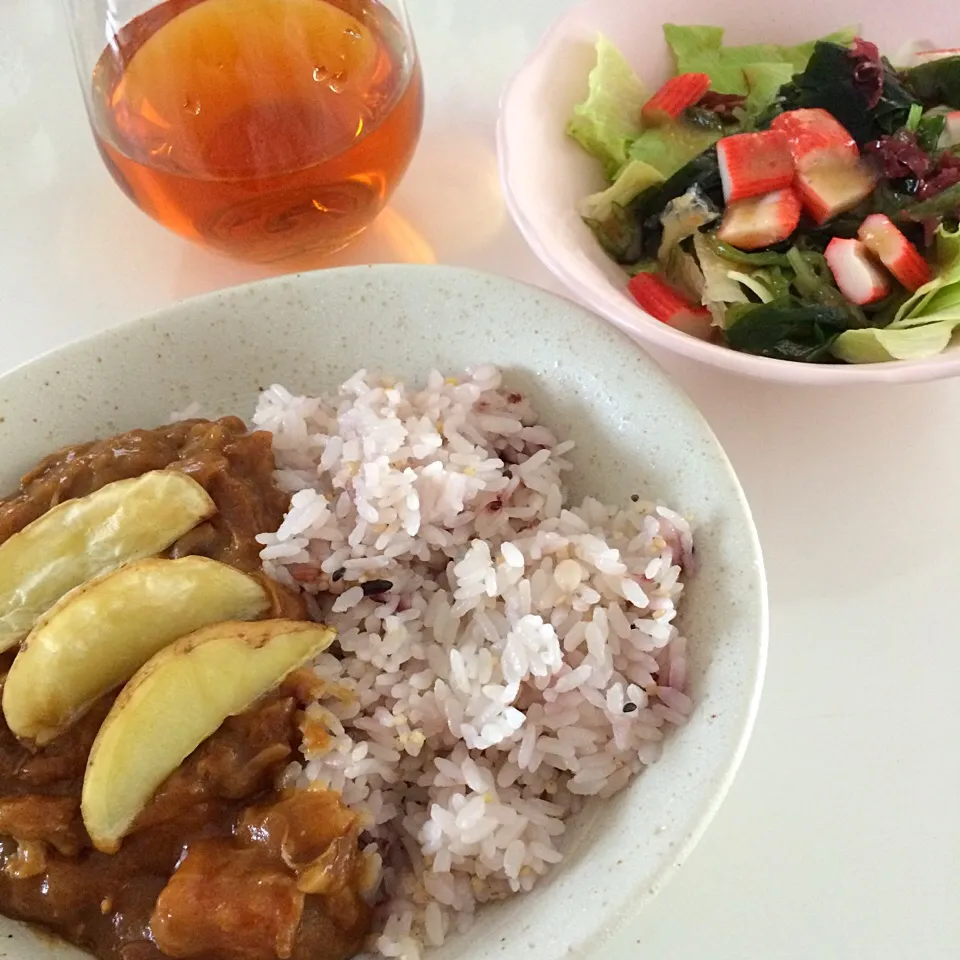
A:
x,y
516,655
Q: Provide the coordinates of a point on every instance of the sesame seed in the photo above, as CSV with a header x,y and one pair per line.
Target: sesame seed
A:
x,y
629,707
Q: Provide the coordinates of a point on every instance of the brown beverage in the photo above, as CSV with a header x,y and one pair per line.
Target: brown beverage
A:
x,y
261,128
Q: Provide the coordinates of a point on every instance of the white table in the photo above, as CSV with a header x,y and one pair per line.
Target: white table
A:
x,y
841,837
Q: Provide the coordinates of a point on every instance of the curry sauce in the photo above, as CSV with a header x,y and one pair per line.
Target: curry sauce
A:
x,y
233,465
222,865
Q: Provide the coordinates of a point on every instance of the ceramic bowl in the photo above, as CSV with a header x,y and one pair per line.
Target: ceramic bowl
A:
x,y
545,174
635,431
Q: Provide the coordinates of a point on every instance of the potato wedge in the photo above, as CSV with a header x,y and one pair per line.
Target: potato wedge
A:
x,y
80,539
177,700
98,635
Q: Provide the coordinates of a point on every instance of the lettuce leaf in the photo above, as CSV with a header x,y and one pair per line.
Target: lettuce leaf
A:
x,y
923,326
703,171
947,243
683,217
620,235
608,121
764,81
609,215
940,298
700,49
719,288
635,177
940,302
875,345
682,272
671,147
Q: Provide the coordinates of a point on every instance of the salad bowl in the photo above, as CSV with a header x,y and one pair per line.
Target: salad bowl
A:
x,y
548,176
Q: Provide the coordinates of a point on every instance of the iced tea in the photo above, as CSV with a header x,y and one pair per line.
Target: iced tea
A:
x,y
261,128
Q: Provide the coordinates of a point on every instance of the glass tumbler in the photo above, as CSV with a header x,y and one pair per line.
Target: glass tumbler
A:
x,y
262,129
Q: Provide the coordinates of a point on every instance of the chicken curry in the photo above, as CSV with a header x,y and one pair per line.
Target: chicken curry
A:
x,y
222,863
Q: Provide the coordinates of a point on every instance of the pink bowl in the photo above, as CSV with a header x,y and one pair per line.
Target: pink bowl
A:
x,y
545,174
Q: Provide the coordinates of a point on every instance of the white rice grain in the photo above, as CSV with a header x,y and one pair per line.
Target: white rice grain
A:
x,y
525,655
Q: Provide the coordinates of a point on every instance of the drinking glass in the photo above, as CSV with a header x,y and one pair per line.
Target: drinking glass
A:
x,y
260,128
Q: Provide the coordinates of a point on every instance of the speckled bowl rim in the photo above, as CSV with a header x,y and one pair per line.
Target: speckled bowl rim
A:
x,y
565,937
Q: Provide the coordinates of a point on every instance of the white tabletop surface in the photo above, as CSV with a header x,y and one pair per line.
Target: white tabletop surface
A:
x,y
841,836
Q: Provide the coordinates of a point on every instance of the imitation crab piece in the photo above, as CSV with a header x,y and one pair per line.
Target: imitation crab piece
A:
x,y
760,221
665,304
752,164
174,702
809,131
675,96
929,56
80,539
830,182
860,279
100,634
885,241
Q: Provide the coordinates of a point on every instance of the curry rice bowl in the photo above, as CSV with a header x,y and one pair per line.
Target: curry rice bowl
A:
x,y
504,654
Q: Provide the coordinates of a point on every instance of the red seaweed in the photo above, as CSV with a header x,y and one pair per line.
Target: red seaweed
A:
x,y
899,156
868,72
946,174
722,104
